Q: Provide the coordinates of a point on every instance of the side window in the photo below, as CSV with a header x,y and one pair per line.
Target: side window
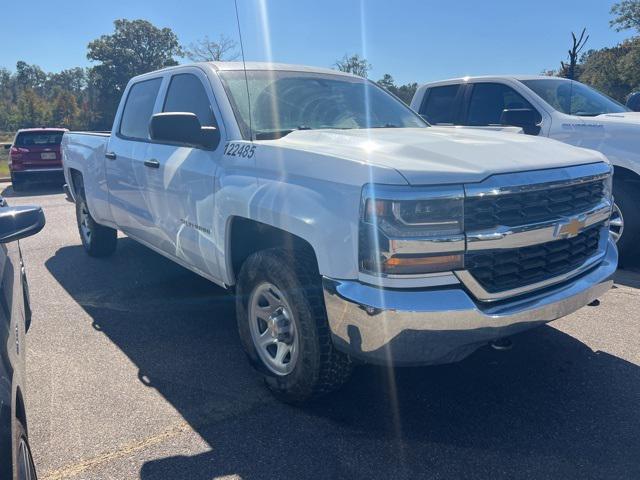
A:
x,y
139,108
439,105
488,100
187,94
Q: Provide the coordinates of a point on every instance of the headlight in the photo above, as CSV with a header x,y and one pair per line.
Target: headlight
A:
x,y
411,231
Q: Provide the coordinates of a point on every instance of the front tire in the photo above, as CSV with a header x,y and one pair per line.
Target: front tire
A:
x,y
283,325
24,468
98,240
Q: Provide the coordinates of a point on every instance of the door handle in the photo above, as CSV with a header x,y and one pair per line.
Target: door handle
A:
x,y
110,155
153,163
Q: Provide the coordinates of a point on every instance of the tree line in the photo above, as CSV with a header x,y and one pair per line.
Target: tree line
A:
x,y
87,98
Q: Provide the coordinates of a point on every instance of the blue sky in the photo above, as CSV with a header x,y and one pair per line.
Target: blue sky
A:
x,y
413,40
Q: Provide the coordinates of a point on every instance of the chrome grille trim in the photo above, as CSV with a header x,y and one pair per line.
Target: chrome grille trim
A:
x,y
510,183
533,234
504,238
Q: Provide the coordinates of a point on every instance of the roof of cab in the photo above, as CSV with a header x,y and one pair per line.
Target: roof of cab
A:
x,y
495,77
224,66
230,66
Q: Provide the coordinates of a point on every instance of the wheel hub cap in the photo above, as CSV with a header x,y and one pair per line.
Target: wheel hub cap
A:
x,y
280,326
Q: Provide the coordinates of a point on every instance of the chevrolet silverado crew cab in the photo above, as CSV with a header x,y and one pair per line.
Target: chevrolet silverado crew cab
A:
x,y
349,229
558,108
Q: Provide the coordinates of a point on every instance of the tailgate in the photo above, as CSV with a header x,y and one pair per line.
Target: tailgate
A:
x,y
41,157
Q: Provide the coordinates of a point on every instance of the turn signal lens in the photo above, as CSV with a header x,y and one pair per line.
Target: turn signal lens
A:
x,y
375,209
414,265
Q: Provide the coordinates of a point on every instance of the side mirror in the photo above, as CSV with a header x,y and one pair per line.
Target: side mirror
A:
x,y
20,222
182,127
7,146
525,118
633,102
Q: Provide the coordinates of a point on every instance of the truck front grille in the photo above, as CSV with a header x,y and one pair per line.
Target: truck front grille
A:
x,y
515,209
501,270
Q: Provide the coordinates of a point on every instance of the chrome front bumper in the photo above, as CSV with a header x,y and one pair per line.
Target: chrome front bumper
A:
x,y
445,324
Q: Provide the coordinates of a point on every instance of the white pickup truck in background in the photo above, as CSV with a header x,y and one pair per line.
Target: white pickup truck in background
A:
x,y
348,228
558,108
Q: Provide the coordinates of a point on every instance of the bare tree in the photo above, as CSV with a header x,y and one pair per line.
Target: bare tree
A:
x,y
206,50
569,70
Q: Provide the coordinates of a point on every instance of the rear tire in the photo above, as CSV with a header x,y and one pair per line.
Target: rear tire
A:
x,y
98,240
627,197
291,279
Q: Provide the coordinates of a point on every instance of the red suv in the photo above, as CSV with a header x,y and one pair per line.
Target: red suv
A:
x,y
35,153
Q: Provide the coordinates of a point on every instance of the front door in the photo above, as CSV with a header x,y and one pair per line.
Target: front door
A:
x,y
486,102
181,180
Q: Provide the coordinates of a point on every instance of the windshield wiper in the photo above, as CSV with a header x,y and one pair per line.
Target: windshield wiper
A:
x,y
386,125
589,114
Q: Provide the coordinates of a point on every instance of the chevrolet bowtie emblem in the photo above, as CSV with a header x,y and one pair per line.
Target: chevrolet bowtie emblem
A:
x,y
570,228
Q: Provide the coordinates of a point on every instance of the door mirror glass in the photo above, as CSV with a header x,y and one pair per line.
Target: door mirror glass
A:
x,y
20,222
525,118
183,128
7,146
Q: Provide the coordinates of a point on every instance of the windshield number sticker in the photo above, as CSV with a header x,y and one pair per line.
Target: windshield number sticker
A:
x,y
244,150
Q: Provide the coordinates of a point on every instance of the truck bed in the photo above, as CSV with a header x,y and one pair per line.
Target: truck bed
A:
x,y
83,152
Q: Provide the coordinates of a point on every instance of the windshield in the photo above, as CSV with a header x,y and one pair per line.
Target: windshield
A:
x,y
282,102
574,98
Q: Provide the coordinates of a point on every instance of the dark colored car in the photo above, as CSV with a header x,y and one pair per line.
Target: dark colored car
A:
x,y
15,317
35,154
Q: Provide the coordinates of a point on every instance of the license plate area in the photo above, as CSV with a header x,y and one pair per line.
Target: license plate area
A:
x,y
48,155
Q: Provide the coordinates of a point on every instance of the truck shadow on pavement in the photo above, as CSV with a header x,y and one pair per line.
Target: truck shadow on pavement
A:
x,y
32,189
549,408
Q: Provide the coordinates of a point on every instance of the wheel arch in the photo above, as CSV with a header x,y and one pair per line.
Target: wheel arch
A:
x,y
77,182
246,236
625,174
21,410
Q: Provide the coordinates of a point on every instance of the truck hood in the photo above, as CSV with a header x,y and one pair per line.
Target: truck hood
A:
x,y
428,156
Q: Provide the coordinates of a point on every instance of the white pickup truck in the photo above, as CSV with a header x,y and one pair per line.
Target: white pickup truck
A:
x,y
349,229
558,108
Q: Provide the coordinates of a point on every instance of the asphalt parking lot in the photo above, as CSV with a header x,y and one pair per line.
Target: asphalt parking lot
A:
x,y
135,371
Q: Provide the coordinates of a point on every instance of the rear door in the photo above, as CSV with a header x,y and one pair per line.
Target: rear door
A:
x,y
180,179
485,101
129,146
441,104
